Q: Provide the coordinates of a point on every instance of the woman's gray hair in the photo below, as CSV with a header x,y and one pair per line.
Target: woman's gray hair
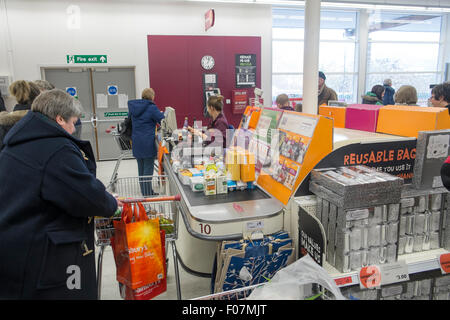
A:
x,y
57,102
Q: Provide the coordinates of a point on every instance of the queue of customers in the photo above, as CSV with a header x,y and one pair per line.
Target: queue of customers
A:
x,y
383,94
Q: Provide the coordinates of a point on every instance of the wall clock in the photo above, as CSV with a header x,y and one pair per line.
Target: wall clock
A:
x,y
207,62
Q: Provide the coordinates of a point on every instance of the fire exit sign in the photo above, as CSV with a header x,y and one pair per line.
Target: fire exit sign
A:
x,y
71,59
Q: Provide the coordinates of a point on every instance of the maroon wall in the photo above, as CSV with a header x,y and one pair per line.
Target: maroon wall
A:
x,y
176,73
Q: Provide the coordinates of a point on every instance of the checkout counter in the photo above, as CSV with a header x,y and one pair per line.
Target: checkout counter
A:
x,y
207,220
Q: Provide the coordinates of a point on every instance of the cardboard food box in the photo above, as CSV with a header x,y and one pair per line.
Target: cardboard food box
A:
x,y
362,117
337,113
409,120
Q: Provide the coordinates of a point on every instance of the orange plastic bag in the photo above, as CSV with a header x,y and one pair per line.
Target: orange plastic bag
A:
x,y
138,250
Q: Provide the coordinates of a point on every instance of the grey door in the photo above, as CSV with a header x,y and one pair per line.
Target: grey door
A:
x,y
113,87
78,79
103,108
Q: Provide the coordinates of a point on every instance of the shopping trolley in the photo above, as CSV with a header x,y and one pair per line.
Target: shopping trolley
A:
x,y
162,206
125,151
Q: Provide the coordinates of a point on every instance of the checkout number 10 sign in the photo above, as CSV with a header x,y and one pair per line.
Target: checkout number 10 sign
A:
x,y
204,228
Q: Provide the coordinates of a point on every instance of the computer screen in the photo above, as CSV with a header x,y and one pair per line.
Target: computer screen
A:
x,y
169,123
336,103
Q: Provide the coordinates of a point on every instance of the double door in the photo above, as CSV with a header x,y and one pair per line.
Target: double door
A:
x,y
103,93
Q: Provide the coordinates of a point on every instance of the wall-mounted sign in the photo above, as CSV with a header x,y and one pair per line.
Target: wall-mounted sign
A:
x,y
72,59
209,19
245,70
113,90
72,91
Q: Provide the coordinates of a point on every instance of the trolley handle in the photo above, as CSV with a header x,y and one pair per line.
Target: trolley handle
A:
x,y
155,199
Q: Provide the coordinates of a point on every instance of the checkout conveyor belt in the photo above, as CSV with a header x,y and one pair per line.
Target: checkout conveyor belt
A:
x,y
225,216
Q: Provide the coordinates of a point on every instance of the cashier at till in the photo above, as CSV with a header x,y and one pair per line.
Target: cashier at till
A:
x,y
218,125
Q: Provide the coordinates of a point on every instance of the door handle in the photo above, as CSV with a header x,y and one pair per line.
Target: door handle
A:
x,y
94,122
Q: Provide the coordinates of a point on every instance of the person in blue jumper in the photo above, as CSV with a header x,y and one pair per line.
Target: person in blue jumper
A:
x,y
145,115
389,92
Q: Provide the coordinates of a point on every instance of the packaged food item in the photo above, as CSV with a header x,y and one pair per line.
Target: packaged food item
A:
x,y
232,160
197,184
231,185
184,175
247,166
240,185
210,184
221,184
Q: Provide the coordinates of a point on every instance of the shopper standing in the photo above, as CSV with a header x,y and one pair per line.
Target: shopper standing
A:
x,y
325,94
24,92
283,102
406,95
2,103
49,196
374,96
389,92
440,96
144,117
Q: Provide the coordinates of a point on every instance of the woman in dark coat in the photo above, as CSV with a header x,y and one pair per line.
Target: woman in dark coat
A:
x,y
144,117
49,196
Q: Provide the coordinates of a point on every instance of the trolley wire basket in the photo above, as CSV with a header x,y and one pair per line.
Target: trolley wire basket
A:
x,y
243,293
125,151
158,205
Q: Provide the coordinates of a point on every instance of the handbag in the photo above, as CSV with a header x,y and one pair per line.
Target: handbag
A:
x,y
137,248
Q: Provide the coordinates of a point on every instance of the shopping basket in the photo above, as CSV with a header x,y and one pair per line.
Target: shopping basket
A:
x,y
162,206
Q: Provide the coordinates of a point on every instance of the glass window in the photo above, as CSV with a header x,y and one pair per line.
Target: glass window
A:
x,y
420,81
337,51
405,48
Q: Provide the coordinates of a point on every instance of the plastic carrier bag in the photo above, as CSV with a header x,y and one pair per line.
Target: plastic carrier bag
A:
x,y
289,282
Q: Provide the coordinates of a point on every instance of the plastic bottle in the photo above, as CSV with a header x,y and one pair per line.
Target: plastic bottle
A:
x,y
186,124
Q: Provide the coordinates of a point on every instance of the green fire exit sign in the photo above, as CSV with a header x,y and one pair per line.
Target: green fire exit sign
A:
x,y
87,58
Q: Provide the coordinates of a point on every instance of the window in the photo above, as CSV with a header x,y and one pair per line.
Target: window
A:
x,y
337,52
405,48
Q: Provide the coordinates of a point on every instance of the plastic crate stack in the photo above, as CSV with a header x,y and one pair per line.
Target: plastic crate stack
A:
x,y
359,210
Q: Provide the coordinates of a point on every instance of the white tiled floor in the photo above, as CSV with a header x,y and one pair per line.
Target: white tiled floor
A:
x,y
191,286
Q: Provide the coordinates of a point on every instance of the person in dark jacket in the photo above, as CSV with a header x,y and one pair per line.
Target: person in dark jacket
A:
x,y
389,92
2,103
325,93
24,92
217,128
49,196
145,115
374,96
7,121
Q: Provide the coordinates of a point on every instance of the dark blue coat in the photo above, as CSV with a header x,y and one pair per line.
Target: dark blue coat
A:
x,y
388,95
144,117
48,191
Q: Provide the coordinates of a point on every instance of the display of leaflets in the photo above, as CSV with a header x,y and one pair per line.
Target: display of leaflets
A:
x,y
292,146
268,122
297,123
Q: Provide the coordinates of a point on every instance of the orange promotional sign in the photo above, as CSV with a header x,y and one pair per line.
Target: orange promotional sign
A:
x,y
444,261
370,277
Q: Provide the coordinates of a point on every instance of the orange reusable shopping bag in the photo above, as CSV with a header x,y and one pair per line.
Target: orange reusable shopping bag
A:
x,y
138,250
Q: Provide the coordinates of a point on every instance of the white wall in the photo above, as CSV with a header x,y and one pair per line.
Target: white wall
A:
x,y
40,36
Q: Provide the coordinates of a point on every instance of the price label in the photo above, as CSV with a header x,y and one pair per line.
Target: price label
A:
x,y
394,272
370,277
375,276
343,281
444,262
